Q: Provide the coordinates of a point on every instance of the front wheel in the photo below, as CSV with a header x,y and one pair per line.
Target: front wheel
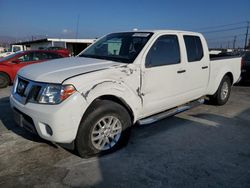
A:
x,y
222,94
105,128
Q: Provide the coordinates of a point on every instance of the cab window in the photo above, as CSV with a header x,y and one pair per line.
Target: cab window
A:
x,y
193,47
165,51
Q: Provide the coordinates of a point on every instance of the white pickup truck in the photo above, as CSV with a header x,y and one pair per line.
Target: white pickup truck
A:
x,y
93,100
13,49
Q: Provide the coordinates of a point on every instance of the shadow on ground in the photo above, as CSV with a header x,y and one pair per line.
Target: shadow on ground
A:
x,y
192,149
243,84
200,150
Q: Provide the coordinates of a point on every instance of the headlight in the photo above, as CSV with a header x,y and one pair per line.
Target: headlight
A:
x,y
55,94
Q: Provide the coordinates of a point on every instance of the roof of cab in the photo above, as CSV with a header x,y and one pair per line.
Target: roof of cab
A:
x,y
162,31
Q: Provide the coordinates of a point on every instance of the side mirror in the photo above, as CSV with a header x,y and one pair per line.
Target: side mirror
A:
x,y
16,61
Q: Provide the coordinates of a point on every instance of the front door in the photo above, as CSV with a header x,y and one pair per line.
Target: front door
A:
x,y
163,76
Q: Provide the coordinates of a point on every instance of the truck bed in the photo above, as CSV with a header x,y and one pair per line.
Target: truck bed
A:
x,y
221,65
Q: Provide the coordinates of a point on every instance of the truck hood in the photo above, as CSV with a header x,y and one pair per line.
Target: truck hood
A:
x,y
56,71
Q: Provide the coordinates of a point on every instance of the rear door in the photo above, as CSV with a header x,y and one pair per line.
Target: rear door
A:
x,y
197,69
163,75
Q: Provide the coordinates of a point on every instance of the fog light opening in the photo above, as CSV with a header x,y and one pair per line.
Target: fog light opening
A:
x,y
48,130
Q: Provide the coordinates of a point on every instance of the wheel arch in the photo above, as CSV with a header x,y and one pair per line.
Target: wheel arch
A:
x,y
115,99
230,75
115,91
215,83
5,73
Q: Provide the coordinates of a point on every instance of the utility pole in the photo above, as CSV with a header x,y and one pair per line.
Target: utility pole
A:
x,y
234,42
246,39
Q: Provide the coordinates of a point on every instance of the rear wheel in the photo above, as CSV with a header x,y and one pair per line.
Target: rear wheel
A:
x,y
105,128
222,94
4,80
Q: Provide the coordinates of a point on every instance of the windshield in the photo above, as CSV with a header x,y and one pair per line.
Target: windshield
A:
x,y
121,47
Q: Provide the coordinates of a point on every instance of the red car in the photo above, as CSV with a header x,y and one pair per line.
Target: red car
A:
x,y
11,64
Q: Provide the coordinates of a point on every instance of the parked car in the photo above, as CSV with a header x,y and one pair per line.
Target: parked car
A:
x,y
92,101
245,69
59,50
11,64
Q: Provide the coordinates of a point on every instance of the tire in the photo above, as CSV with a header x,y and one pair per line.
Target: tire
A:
x,y
4,80
223,93
92,133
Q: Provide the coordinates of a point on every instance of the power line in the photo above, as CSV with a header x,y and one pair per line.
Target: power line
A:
x,y
223,30
220,26
223,37
232,42
228,36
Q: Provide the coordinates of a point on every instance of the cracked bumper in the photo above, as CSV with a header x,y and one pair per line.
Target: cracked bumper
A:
x,y
63,119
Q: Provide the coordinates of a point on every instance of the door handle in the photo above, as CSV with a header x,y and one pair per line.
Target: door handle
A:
x,y
181,71
205,67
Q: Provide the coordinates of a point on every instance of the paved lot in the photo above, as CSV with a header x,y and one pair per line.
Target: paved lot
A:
x,y
205,147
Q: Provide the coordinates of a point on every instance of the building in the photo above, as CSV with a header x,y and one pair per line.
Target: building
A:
x,y
75,46
2,49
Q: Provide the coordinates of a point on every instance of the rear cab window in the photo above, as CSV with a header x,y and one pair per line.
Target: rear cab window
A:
x,y
193,47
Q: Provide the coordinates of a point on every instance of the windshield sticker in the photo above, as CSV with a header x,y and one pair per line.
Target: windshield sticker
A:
x,y
141,34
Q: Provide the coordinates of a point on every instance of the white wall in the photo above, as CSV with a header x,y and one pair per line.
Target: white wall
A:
x,y
36,46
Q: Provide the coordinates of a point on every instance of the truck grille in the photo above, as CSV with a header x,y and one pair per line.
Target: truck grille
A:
x,y
27,91
21,87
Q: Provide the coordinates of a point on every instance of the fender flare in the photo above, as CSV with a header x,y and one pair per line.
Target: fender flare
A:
x,y
218,79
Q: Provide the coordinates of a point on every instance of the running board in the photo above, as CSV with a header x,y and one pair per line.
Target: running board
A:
x,y
171,112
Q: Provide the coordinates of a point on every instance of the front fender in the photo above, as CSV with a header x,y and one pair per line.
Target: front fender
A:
x,y
117,89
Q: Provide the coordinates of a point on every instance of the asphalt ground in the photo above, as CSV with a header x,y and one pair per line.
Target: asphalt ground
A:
x,y
208,146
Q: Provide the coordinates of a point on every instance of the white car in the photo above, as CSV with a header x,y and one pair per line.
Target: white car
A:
x,y
92,100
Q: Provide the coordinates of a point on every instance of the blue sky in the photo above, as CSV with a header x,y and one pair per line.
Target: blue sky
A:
x,y
58,18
